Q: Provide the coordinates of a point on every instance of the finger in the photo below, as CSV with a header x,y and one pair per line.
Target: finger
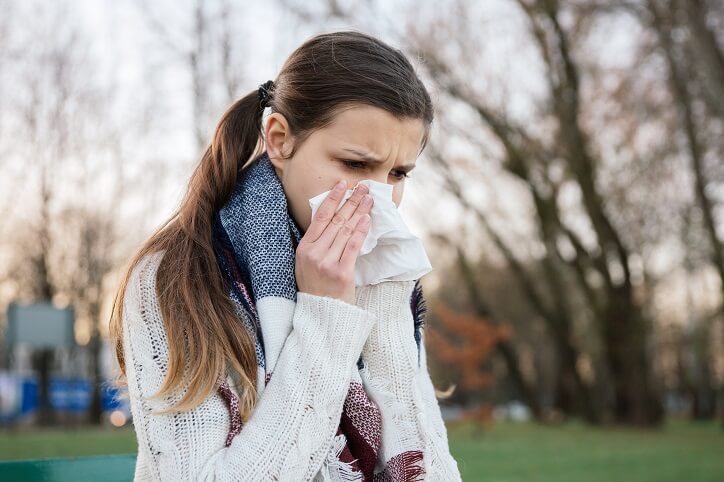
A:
x,y
350,205
345,231
325,213
354,243
341,218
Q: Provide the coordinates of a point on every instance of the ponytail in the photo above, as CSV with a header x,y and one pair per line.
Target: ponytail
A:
x,y
199,318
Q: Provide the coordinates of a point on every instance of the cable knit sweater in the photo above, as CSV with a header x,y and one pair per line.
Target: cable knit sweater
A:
x,y
297,414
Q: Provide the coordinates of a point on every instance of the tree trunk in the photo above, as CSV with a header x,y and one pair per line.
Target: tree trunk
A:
x,y
625,339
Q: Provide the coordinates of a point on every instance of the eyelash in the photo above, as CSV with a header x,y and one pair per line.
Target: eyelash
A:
x,y
349,164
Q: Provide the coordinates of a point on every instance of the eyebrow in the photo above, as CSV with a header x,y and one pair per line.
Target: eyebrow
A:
x,y
367,157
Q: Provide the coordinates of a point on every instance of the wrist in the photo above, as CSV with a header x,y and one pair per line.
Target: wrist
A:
x,y
392,337
385,299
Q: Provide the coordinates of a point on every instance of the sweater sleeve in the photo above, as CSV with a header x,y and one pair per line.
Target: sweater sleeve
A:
x,y
396,378
296,416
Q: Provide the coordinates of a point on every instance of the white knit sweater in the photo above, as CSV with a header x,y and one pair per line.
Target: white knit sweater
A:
x,y
297,414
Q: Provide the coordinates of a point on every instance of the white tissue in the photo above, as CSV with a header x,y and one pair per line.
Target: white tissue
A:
x,y
390,252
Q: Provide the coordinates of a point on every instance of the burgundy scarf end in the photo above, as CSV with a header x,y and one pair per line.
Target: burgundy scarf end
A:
x,y
405,467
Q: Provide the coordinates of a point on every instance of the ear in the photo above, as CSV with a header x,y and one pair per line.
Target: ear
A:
x,y
278,139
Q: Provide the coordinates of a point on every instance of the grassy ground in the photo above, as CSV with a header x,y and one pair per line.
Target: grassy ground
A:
x,y
507,453
575,453
57,443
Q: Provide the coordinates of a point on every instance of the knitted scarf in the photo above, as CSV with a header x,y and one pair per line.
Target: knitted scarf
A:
x,y
255,240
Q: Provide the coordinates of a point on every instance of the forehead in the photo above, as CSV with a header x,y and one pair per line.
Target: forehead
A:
x,y
377,131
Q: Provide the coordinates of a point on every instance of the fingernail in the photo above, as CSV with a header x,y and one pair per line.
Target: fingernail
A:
x,y
340,185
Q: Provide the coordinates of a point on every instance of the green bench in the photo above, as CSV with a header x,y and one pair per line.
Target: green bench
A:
x,y
105,468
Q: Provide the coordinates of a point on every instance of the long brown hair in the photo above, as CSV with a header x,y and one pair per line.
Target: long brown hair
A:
x,y
326,73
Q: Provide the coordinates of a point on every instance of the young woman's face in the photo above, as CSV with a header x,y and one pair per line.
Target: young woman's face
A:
x,y
345,149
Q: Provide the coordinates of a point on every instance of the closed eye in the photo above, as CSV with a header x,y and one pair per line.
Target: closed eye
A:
x,y
355,165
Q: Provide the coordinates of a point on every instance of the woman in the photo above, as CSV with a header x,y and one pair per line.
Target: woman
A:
x,y
241,283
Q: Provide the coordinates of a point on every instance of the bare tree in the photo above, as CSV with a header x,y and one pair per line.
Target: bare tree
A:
x,y
704,45
699,48
63,228
207,45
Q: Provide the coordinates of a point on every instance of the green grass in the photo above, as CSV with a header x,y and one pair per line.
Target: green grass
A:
x,y
66,443
509,452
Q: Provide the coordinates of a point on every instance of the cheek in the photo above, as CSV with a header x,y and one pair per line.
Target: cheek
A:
x,y
299,186
316,181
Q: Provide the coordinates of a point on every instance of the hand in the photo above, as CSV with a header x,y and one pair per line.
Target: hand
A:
x,y
326,254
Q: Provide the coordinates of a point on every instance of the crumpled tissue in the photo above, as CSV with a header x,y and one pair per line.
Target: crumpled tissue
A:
x,y
390,252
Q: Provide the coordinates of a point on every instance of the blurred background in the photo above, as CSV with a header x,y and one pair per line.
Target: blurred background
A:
x,y
571,200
